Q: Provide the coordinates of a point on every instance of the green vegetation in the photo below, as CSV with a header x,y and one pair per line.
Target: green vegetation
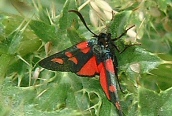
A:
x,y
32,30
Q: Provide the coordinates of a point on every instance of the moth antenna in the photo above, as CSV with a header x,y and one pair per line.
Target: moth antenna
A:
x,y
83,21
123,33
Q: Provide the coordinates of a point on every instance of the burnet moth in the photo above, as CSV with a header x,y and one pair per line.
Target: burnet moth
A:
x,y
89,58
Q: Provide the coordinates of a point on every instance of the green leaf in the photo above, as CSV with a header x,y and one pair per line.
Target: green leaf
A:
x,y
15,40
152,103
160,76
44,31
55,98
117,26
74,36
137,60
28,91
20,101
29,46
107,109
66,18
163,4
5,60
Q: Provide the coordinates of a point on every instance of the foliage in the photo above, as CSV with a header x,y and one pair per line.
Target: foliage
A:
x,y
29,31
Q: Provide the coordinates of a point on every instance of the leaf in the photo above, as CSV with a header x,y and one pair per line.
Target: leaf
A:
x,y
62,94
20,101
144,60
15,40
74,36
152,103
29,46
117,26
107,109
66,18
55,98
44,31
5,61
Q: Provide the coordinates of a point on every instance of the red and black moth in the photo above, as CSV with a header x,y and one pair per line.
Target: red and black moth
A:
x,y
90,58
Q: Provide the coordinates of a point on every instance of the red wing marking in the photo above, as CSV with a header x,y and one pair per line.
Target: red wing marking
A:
x,y
103,79
112,88
83,46
117,104
58,60
73,59
86,50
90,68
68,54
109,66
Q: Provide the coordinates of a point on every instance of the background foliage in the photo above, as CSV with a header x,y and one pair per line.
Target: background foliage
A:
x,y
32,30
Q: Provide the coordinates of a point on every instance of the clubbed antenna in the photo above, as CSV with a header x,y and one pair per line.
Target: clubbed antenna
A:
x,y
83,21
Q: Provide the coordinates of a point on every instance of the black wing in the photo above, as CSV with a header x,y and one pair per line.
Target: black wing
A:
x,y
78,59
